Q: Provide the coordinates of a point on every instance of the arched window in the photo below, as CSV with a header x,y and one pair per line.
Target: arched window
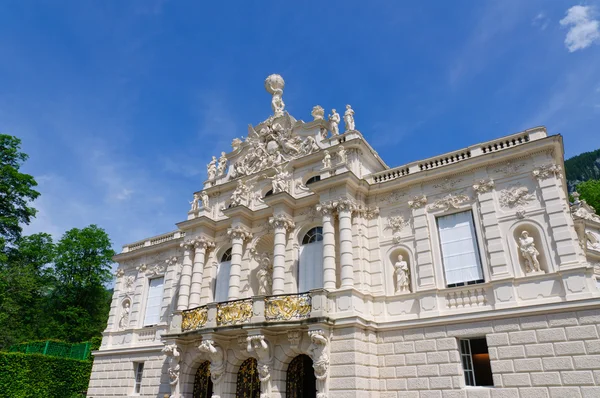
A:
x,y
300,379
203,385
248,384
313,179
310,266
269,193
222,282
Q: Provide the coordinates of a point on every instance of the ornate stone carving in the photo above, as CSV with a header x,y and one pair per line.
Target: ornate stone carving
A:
x,y
274,85
129,281
294,337
234,312
124,318
171,261
515,196
402,275
235,144
285,308
447,183
142,267
319,352
529,252
510,168
239,232
349,118
119,272
265,272
342,155
194,319
396,224
156,269
222,165
449,201
345,204
195,203
172,352
281,221
334,121
580,209
241,195
547,170
483,185
187,245
203,242
216,356
279,182
204,199
592,241
326,160
367,212
259,346
211,169
326,207
417,202
318,113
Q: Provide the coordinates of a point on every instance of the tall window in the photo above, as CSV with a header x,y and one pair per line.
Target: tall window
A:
x,y
310,271
153,303
222,283
476,362
139,370
462,264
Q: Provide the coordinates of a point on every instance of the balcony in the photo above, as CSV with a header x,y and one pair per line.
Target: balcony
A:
x,y
258,309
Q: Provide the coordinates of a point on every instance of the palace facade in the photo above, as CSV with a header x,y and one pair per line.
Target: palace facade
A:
x,y
307,267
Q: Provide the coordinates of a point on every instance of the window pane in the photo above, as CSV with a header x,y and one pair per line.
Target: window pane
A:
x,y
310,272
153,303
222,284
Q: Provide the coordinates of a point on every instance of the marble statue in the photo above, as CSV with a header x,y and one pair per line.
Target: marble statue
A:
x,y
529,252
235,144
274,85
349,118
319,353
342,154
204,199
194,203
124,321
264,275
172,352
402,275
240,194
222,165
212,168
279,182
318,113
326,160
334,121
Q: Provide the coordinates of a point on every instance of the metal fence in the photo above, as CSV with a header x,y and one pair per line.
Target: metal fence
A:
x,y
54,348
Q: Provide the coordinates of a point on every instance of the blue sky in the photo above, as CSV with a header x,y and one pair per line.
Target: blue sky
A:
x,y
120,104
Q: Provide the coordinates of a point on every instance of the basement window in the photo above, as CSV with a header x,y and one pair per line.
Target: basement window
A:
x,y
476,362
139,371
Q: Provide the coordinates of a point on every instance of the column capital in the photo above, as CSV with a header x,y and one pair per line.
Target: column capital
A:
x,y
281,221
239,232
327,208
366,212
204,243
417,202
345,204
188,244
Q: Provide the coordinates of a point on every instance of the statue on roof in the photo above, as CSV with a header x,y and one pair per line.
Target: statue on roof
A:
x,y
222,165
349,118
212,168
334,121
274,85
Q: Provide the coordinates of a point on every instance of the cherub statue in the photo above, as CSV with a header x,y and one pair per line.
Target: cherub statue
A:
x,y
349,118
222,164
194,203
334,121
212,168
529,252
326,160
402,275
342,154
204,198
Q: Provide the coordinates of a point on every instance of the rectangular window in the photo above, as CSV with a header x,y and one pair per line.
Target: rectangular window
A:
x,y
139,370
476,362
222,283
310,267
154,301
460,254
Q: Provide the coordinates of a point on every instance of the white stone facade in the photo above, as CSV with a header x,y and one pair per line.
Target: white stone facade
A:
x,y
372,325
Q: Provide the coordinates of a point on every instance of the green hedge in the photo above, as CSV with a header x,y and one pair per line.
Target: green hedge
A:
x,y
36,376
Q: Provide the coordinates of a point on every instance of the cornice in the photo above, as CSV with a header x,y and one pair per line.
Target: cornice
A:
x,y
347,178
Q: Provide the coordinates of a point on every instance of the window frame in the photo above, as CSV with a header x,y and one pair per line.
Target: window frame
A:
x,y
147,297
138,372
466,358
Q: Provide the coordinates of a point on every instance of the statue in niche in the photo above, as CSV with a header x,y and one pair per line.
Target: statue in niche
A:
x,y
334,121
342,154
326,160
402,275
212,168
204,198
222,165
529,252
349,118
264,275
194,203
240,194
124,320
279,182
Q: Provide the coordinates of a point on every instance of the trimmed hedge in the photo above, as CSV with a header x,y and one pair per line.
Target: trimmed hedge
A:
x,y
36,376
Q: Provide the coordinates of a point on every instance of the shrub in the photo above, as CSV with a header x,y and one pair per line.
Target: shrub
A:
x,y
35,376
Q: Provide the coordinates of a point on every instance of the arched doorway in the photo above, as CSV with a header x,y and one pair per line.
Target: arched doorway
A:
x,y
248,385
203,386
300,378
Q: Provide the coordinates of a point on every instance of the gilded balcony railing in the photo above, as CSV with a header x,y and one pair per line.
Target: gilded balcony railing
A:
x,y
287,307
234,312
194,319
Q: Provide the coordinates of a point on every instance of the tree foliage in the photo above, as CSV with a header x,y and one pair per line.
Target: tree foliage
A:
x,y
590,191
583,167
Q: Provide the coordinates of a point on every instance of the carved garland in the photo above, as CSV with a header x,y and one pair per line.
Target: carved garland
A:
x,y
515,196
547,170
417,202
449,201
483,186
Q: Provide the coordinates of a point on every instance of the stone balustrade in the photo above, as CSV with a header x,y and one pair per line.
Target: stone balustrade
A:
x,y
157,240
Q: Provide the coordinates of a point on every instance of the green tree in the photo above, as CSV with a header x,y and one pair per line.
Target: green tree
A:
x,y
16,190
82,267
25,283
590,191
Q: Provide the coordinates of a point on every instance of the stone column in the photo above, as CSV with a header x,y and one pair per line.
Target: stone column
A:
x,y
281,223
201,246
238,235
327,209
345,207
186,276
